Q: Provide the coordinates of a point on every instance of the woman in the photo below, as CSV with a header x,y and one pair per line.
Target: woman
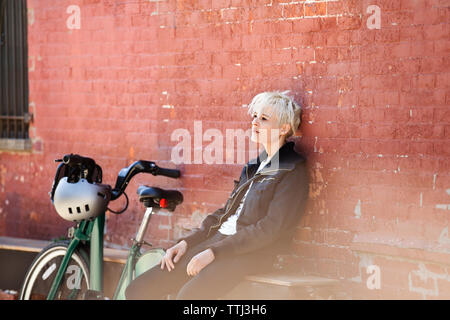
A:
x,y
257,222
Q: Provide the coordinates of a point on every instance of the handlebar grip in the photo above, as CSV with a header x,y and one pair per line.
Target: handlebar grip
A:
x,y
75,159
171,173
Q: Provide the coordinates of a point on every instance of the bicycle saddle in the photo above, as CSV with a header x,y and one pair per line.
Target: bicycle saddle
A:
x,y
159,198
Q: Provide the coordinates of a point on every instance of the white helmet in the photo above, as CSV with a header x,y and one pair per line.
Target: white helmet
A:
x,y
80,200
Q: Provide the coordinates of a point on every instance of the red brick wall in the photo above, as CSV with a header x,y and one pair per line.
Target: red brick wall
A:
x,y
375,125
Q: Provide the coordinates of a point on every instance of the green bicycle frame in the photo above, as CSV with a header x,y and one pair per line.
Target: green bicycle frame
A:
x,y
127,272
134,253
92,232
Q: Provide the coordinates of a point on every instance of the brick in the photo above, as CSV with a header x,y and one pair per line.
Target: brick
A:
x,y
431,64
348,23
440,47
400,19
388,35
436,32
352,7
326,54
306,25
220,4
388,99
294,10
335,8
338,38
400,50
441,148
282,55
315,9
444,288
262,12
340,68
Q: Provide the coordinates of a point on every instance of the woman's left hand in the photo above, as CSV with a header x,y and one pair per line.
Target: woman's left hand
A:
x,y
199,261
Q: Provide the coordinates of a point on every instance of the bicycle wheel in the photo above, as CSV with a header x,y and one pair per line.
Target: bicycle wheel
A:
x,y
42,272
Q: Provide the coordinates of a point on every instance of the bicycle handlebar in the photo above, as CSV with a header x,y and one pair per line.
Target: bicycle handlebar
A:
x,y
171,173
75,159
126,174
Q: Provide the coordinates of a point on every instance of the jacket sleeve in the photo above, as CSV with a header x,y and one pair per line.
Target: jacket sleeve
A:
x,y
283,214
198,235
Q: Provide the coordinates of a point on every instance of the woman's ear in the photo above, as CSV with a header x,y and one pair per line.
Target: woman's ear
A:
x,y
285,129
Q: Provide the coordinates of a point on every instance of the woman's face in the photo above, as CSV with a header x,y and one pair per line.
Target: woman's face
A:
x,y
265,127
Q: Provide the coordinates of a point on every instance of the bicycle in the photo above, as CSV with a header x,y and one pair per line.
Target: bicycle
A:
x,y
74,269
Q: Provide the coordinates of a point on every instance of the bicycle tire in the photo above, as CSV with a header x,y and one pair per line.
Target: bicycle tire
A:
x,y
40,275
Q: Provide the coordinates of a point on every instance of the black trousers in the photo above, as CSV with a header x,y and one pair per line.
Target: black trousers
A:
x,y
212,282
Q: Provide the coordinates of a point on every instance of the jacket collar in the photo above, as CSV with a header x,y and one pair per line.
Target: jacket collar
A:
x,y
284,159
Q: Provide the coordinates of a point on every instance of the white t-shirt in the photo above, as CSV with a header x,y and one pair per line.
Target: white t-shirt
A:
x,y
229,226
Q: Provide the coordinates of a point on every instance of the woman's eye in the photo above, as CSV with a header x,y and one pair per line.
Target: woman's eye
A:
x,y
256,116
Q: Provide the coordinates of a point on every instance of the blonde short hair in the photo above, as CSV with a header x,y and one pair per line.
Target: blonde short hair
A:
x,y
284,107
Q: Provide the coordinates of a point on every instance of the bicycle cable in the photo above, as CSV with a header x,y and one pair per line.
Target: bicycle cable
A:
x,y
123,210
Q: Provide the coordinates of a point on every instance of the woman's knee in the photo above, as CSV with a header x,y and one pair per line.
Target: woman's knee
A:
x,y
132,292
142,290
193,290
147,286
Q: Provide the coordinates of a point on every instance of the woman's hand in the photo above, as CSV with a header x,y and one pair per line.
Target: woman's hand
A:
x,y
178,251
199,261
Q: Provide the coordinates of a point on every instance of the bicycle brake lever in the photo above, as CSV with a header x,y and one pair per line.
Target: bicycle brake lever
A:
x,y
147,243
142,242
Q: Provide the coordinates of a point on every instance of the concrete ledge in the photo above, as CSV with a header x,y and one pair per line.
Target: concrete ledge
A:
x,y
32,245
279,286
292,280
17,254
408,249
20,244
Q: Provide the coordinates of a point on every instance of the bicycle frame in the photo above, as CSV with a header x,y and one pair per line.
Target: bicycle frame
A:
x,y
134,253
92,232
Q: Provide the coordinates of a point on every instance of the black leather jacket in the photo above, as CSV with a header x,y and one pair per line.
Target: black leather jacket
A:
x,y
271,210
